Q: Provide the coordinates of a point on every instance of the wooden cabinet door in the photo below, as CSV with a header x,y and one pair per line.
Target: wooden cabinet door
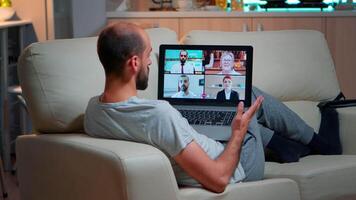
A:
x,y
151,22
216,24
341,37
288,23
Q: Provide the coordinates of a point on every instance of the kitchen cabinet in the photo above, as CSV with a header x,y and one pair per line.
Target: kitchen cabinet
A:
x,y
215,24
288,23
172,24
341,37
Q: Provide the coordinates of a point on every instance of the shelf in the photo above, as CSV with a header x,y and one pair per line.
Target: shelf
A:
x,y
11,46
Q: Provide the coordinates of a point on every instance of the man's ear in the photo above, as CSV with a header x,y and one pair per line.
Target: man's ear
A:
x,y
134,63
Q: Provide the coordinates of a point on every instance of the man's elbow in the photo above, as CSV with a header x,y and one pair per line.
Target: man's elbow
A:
x,y
220,185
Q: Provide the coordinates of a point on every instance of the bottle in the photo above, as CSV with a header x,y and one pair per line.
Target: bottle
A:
x,y
237,5
221,4
224,4
228,5
5,3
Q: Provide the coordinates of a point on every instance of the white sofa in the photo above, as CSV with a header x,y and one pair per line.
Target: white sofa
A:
x,y
59,161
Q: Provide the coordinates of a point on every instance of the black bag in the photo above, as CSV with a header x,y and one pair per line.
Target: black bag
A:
x,y
330,120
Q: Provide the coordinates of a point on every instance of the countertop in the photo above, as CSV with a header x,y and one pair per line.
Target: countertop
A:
x,y
7,24
222,14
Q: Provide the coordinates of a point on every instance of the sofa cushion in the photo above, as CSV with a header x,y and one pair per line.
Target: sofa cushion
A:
x,y
290,65
58,78
319,177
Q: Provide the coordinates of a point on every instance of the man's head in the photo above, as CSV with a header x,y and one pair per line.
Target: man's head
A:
x,y
227,82
183,56
184,82
227,61
124,51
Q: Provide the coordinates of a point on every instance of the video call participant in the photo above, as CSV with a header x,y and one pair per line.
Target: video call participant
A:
x,y
183,67
227,93
227,62
184,88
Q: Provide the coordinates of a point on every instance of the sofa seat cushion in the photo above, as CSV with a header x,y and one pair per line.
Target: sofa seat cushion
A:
x,y
268,189
319,177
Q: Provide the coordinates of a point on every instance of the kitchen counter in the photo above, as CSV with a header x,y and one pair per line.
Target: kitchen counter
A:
x,y
222,14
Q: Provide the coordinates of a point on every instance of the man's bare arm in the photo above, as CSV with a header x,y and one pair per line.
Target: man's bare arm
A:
x,y
215,174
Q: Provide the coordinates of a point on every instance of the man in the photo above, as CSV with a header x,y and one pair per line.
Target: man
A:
x,y
227,62
124,51
184,88
227,93
183,67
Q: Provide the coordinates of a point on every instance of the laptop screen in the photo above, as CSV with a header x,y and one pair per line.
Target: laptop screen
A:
x,y
205,74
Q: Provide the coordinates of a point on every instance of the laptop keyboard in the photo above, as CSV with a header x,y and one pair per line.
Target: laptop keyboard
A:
x,y
207,117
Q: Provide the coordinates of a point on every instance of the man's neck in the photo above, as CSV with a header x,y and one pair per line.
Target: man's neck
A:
x,y
117,90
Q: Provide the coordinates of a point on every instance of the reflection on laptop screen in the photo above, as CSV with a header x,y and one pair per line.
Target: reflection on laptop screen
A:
x,y
215,74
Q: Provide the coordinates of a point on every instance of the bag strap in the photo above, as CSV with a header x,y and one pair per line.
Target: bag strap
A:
x,y
339,102
340,96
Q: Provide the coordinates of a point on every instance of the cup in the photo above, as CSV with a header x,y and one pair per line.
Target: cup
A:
x,y
184,5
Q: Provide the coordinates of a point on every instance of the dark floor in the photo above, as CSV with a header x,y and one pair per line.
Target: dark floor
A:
x,y
11,187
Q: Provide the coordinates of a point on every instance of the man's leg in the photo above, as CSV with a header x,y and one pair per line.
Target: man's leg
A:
x,y
281,149
274,115
284,122
252,154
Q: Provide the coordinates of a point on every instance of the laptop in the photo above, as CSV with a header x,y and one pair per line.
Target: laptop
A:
x,y
205,83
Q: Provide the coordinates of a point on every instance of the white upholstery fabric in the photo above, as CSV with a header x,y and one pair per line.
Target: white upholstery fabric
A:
x,y
269,189
62,75
347,119
79,167
122,170
319,177
290,65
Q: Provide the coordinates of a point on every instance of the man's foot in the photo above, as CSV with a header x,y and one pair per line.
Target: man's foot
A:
x,y
287,150
320,145
327,142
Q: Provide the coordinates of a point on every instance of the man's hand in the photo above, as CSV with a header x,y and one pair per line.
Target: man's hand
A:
x,y
241,121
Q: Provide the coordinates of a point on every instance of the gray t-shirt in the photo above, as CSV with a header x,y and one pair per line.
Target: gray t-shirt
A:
x,y
151,122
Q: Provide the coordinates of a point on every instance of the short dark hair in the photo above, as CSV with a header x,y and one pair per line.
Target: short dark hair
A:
x,y
183,51
227,77
116,44
184,76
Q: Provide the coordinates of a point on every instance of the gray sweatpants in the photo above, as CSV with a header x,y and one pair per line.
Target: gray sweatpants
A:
x,y
273,117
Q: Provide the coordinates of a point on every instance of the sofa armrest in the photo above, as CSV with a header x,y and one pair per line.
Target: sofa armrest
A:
x,y
347,119
76,167
268,189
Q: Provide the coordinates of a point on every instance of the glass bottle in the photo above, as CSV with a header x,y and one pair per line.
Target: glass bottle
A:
x,y
237,5
5,3
221,4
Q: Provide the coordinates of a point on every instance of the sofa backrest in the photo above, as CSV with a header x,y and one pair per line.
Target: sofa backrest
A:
x,y
59,77
290,65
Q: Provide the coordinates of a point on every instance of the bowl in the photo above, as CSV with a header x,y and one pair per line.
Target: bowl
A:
x,y
211,8
6,13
